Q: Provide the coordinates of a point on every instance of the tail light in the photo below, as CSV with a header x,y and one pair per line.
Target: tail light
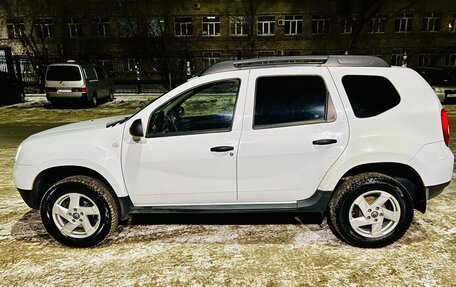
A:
x,y
445,126
82,89
49,89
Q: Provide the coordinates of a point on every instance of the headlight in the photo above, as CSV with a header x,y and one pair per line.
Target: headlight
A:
x,y
17,153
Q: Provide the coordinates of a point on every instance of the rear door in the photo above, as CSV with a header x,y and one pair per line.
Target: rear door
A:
x,y
61,78
294,129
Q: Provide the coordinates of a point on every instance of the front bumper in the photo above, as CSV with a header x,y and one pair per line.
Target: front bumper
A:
x,y
24,178
30,198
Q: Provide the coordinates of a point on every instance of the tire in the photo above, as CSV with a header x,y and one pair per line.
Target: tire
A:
x,y
55,104
79,211
21,97
94,101
357,218
111,96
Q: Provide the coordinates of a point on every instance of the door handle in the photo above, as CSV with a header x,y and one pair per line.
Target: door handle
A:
x,y
324,141
221,148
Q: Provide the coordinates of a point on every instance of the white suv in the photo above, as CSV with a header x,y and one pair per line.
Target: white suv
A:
x,y
346,136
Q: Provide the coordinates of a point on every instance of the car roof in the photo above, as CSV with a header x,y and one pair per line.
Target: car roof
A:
x,y
74,63
318,61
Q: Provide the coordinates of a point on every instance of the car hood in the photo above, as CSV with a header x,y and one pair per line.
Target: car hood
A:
x,y
81,126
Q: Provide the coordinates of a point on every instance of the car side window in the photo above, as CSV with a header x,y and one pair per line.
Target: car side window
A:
x,y
289,100
207,108
100,73
90,74
370,96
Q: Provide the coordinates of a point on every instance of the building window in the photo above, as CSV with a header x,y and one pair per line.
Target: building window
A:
x,y
348,26
155,64
26,67
450,60
44,28
210,58
292,53
74,27
211,26
396,57
404,23
426,59
128,64
431,23
378,23
102,26
108,65
266,25
265,53
155,26
320,24
238,26
183,26
128,27
452,24
293,25
15,28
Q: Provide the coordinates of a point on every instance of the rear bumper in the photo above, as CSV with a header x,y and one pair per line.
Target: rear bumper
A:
x,y
54,96
434,163
434,190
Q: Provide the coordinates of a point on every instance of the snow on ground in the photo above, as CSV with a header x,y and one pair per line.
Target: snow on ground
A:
x,y
225,250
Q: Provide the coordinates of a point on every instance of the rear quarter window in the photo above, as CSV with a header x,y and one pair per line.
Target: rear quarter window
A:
x,y
90,74
370,96
63,73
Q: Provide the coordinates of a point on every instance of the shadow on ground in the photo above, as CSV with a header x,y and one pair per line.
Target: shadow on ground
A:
x,y
195,228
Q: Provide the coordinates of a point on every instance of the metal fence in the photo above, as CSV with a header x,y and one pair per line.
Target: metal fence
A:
x,y
123,70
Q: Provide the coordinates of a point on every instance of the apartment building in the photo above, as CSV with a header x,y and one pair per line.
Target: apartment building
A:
x,y
178,38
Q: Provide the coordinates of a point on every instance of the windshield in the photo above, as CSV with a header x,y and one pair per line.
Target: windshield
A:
x,y
63,73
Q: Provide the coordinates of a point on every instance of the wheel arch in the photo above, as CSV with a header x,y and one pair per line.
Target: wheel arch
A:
x,y
403,173
46,178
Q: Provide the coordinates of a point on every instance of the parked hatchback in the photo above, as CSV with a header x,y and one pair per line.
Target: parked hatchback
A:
x,y
77,82
443,83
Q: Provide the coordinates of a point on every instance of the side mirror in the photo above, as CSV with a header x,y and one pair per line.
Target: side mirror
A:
x,y
136,129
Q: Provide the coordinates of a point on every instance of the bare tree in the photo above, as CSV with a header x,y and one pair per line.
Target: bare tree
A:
x,y
251,11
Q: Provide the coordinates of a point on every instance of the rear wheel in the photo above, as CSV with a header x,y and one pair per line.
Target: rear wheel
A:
x,y
370,210
79,211
94,101
111,96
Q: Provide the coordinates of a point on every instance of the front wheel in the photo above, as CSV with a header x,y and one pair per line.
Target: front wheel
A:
x,y
370,210
79,211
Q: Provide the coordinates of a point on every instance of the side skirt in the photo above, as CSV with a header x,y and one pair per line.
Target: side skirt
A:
x,y
317,203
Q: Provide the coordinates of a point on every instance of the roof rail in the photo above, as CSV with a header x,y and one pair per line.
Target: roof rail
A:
x,y
321,61
300,60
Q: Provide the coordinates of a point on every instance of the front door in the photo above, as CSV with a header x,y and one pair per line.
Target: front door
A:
x,y
188,155
295,129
